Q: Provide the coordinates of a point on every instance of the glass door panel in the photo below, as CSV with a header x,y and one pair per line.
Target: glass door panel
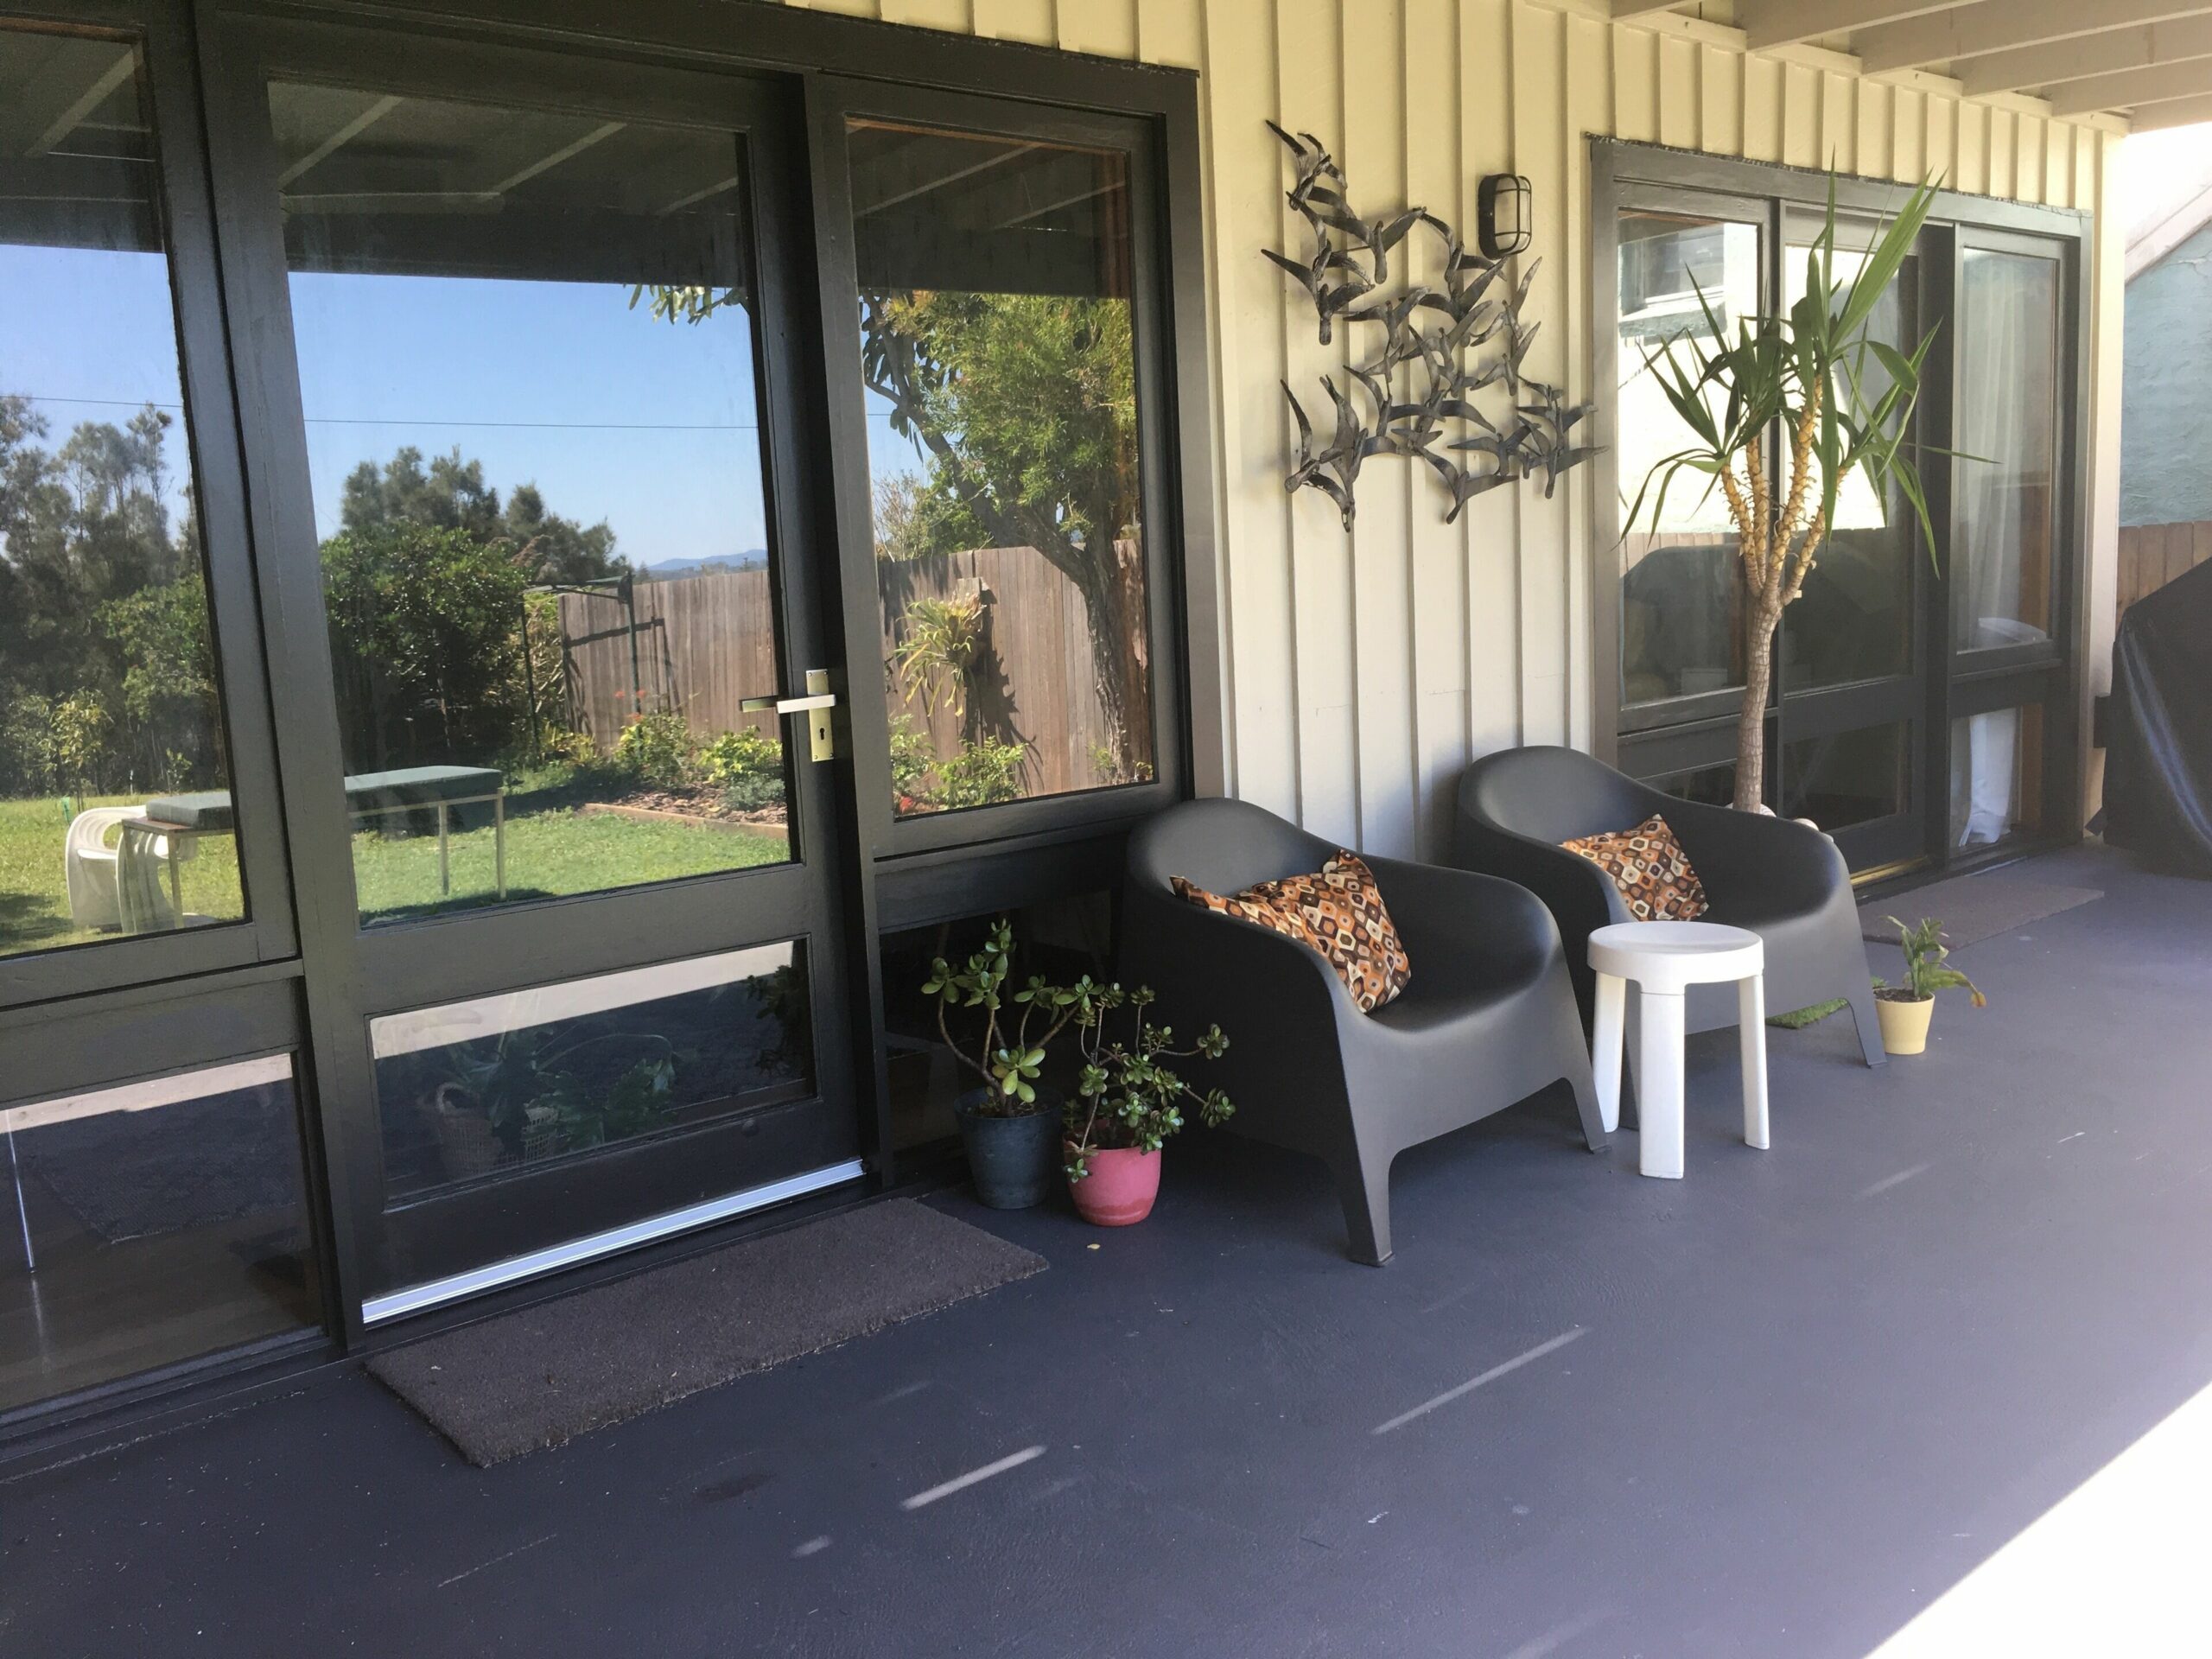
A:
x,y
1853,651
528,366
1000,362
1682,583
111,717
549,485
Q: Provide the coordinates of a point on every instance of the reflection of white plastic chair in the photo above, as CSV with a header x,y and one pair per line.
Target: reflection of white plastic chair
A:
x,y
90,860
88,866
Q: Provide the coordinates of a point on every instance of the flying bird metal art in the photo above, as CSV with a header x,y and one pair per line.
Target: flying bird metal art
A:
x,y
1432,341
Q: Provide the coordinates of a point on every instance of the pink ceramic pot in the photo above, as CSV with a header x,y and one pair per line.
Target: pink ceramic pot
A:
x,y
1119,1188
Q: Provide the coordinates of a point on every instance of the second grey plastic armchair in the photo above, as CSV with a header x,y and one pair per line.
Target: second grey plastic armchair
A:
x,y
1785,882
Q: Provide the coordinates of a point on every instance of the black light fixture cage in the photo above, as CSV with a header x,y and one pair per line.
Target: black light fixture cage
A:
x,y
1503,217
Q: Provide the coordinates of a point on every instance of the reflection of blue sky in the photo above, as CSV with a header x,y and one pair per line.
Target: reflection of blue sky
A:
x,y
649,425
90,335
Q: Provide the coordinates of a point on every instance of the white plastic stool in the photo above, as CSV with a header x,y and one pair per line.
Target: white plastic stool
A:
x,y
1665,959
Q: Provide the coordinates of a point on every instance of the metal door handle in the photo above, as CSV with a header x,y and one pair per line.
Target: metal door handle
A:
x,y
816,705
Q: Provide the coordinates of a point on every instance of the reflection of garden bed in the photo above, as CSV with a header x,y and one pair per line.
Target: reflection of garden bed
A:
x,y
702,807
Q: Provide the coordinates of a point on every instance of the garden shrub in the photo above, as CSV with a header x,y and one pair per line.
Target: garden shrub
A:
x,y
740,755
657,749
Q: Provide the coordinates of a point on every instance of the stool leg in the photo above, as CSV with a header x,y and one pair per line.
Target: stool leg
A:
x,y
1659,1087
445,863
1606,1047
1751,1018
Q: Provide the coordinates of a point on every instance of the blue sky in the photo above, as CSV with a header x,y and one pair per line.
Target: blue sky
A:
x,y
649,425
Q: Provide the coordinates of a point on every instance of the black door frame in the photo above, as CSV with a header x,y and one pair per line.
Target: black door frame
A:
x,y
1692,734
298,962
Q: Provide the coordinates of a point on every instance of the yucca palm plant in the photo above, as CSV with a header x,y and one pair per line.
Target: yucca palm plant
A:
x,y
1805,383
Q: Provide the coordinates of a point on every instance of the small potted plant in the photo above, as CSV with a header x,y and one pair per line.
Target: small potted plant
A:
x,y
1010,1122
1905,1010
1127,1103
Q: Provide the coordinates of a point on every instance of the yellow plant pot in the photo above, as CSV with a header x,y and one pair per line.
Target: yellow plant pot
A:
x,y
1905,1024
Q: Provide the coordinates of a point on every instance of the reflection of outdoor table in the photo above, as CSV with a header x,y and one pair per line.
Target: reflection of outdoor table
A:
x,y
185,819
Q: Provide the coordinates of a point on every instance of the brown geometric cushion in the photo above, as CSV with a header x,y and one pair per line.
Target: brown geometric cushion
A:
x,y
1339,912
1649,866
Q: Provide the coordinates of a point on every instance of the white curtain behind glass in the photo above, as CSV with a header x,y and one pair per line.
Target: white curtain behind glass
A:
x,y
2009,310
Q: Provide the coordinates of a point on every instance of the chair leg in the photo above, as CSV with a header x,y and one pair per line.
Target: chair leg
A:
x,y
1863,1018
1364,1185
1660,1106
1608,1012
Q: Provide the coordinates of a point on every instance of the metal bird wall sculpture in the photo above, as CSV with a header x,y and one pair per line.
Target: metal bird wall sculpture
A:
x,y
1432,342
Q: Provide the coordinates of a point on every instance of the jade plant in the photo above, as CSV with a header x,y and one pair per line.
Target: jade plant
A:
x,y
1926,966
1008,1054
1126,1096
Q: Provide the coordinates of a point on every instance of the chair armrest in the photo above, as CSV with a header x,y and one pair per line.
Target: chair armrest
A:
x,y
1225,971
1581,897
1733,850
1438,908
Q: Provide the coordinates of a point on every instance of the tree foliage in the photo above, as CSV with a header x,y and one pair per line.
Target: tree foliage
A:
x,y
106,669
449,492
430,618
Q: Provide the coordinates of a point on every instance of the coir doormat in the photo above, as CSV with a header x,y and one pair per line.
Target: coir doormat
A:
x,y
544,1374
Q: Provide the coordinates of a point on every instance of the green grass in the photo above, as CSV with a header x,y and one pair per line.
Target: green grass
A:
x,y
551,851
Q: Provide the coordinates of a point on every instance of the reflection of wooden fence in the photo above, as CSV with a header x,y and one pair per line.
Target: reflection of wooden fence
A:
x,y
2151,556
704,643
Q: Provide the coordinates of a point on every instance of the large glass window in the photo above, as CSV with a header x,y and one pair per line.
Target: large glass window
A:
x,y
148,1223
489,1086
1682,583
112,758
2007,424
528,366
1847,778
1000,363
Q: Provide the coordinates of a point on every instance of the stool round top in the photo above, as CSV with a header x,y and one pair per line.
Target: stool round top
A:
x,y
1668,956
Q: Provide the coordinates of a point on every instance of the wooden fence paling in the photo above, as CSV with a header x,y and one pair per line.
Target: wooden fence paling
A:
x,y
707,642
2151,556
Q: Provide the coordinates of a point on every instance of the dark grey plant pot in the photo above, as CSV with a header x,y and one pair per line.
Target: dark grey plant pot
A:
x,y
1014,1161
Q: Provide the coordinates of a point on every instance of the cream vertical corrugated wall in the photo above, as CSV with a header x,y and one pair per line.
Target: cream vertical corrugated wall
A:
x,y
1364,671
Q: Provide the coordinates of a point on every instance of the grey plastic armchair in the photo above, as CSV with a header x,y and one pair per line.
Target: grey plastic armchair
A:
x,y
1785,882
1488,1020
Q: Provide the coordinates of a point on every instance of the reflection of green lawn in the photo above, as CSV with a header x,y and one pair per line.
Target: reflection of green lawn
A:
x,y
549,854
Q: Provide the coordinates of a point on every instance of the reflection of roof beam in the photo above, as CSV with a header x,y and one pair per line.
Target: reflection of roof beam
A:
x,y
997,158
2162,84
597,135
698,196
1767,24
2100,55
1972,30
113,76
1096,190
1638,8
344,135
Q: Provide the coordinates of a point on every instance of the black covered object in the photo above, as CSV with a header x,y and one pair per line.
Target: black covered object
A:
x,y
2158,739
1783,881
1487,1019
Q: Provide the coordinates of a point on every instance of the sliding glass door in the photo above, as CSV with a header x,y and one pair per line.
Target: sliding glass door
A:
x,y
1924,705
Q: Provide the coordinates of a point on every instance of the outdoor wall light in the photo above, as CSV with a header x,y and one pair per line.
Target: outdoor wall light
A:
x,y
1503,219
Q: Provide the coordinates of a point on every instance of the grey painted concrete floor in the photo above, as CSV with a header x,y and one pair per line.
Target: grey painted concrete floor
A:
x,y
1805,1391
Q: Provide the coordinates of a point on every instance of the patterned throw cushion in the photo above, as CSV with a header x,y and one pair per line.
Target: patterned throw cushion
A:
x,y
1339,912
1649,866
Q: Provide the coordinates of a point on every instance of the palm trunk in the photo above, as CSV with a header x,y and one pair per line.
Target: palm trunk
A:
x,y
1751,720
